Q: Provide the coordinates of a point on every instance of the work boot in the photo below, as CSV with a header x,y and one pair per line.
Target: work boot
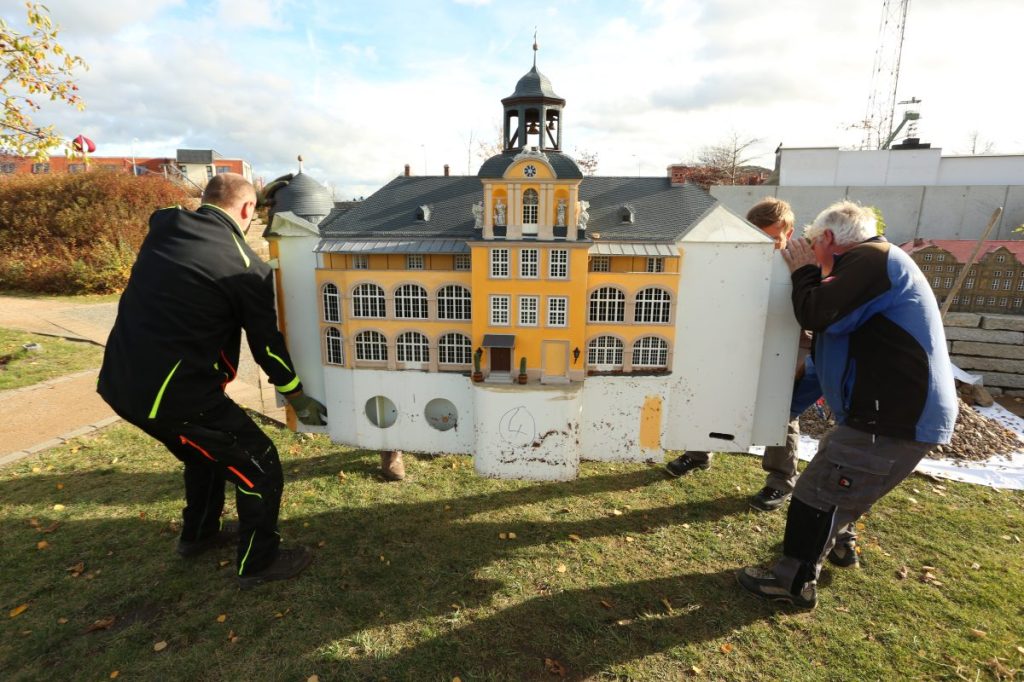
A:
x,y
287,564
769,499
844,555
684,464
391,466
228,534
763,583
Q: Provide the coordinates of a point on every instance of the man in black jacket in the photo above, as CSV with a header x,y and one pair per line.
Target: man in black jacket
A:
x,y
174,348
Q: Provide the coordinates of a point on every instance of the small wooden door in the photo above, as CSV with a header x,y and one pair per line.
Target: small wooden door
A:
x,y
501,359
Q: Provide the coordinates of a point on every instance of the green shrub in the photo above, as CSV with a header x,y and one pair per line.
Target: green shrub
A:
x,y
78,233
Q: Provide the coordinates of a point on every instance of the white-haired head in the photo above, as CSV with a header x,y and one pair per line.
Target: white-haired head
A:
x,y
849,223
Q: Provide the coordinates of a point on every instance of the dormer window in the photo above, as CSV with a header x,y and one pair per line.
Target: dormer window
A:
x,y
423,213
626,214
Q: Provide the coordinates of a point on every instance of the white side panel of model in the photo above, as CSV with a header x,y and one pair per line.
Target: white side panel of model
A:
x,y
720,323
615,409
778,359
431,412
531,434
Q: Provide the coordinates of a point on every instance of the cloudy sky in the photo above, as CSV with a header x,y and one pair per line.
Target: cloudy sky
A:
x,y
362,88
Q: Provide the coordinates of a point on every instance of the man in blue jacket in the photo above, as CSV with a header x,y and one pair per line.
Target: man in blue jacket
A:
x,y
172,351
880,354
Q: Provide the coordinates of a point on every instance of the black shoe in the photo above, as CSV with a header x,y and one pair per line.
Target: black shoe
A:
x,y
845,555
769,499
763,583
684,464
287,564
227,535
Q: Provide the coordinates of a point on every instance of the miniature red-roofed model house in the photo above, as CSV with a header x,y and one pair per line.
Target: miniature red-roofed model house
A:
x,y
994,284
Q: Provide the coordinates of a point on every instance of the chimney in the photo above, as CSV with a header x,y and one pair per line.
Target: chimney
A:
x,y
918,241
407,170
446,170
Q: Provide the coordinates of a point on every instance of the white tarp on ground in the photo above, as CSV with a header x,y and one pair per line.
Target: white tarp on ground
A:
x,y
1003,471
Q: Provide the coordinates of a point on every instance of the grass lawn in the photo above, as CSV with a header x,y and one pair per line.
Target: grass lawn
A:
x,y
58,357
620,575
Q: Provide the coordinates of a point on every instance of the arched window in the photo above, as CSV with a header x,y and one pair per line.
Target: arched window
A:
x,y
368,301
454,303
653,305
335,351
332,303
650,351
371,346
530,201
412,347
607,304
411,302
454,349
605,351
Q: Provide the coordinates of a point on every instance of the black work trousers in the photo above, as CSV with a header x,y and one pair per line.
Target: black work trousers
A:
x,y
223,444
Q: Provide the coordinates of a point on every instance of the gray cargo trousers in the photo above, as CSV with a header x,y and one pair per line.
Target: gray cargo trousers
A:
x,y
850,472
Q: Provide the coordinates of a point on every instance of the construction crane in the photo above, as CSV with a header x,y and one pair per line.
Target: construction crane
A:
x,y
885,76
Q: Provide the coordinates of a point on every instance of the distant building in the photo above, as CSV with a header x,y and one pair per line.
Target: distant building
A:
x,y
704,176
194,166
920,192
994,284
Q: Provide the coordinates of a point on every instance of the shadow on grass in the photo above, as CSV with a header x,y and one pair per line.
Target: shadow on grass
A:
x,y
391,564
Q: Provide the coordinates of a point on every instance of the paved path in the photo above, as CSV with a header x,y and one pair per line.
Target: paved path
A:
x,y
37,417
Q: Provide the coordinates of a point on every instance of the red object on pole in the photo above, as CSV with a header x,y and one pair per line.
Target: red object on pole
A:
x,y
83,144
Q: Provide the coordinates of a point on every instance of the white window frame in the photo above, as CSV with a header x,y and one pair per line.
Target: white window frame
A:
x,y
499,263
1001,258
656,264
558,311
558,264
454,302
331,297
360,262
463,261
334,346
947,283
927,257
935,282
529,307
650,352
412,347
371,346
1007,284
995,285
529,263
1018,302
531,204
1003,301
940,258
366,300
969,283
454,348
415,261
500,310
607,304
603,348
600,263
653,306
411,302
991,300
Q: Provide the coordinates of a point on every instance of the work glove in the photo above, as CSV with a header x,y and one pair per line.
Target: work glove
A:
x,y
309,411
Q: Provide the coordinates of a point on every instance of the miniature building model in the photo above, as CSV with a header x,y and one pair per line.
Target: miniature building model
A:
x,y
994,284
640,315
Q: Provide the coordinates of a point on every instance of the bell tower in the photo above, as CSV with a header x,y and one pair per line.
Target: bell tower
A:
x,y
533,113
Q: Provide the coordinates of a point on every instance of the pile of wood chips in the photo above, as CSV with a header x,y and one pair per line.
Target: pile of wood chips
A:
x,y
976,438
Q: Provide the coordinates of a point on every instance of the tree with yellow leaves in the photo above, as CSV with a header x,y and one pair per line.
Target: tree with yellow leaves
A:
x,y
33,67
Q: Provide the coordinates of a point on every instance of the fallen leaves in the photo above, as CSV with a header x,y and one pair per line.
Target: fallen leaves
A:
x,y
575,538
76,570
114,674
507,536
59,507
727,648
18,610
232,637
222,617
562,568
554,667
104,624
62,621
313,678
159,646
607,604
903,573
42,544
978,634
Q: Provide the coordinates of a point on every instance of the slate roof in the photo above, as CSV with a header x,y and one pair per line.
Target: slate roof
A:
x,y
564,165
661,212
533,84
390,212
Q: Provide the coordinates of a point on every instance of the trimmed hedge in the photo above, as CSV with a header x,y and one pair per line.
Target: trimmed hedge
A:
x,y
76,234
